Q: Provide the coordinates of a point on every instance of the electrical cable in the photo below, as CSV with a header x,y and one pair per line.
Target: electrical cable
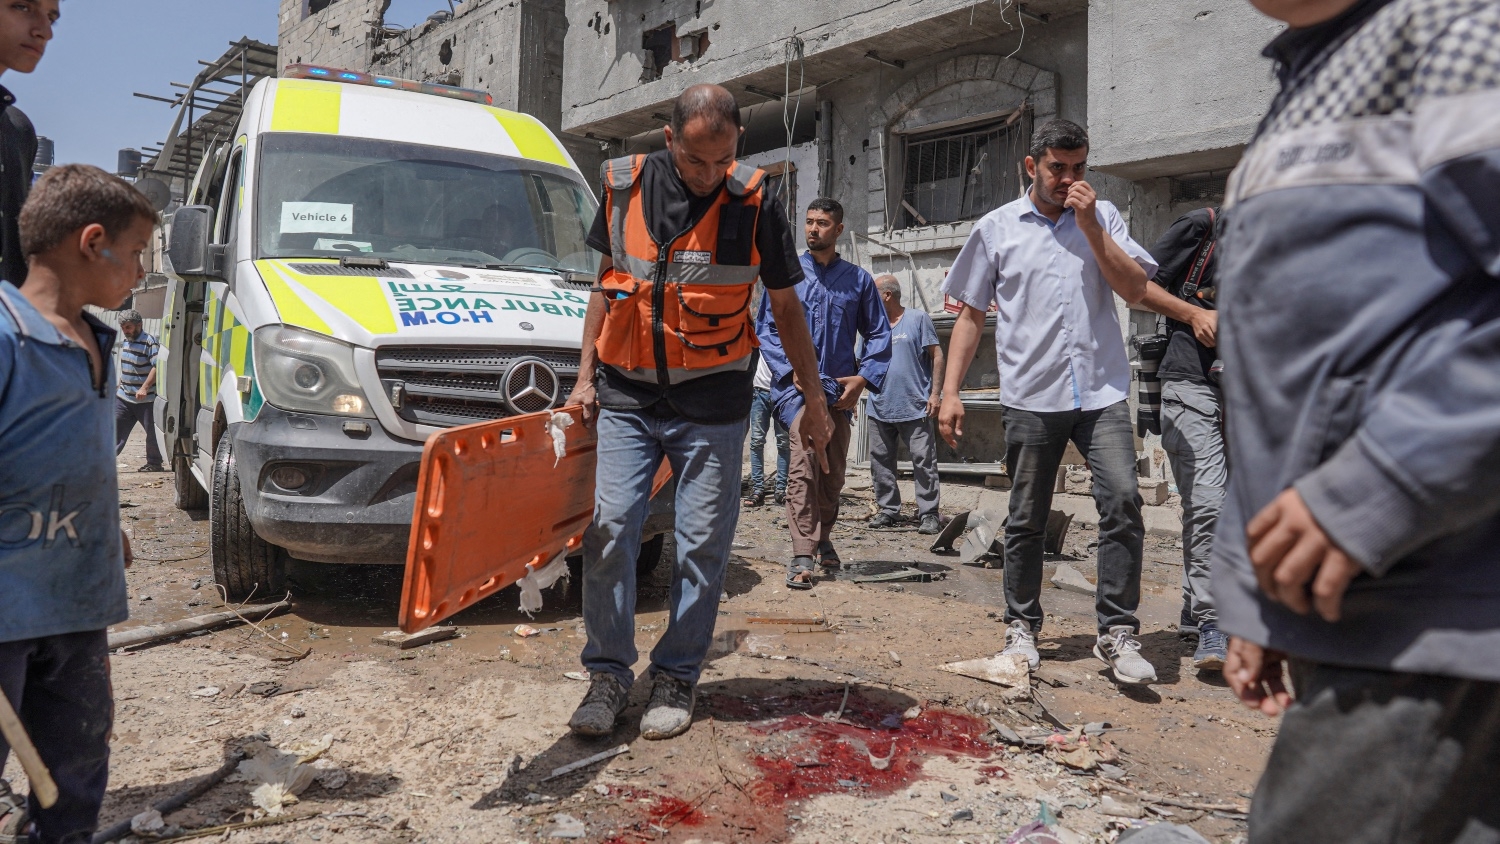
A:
x,y
794,49
1022,18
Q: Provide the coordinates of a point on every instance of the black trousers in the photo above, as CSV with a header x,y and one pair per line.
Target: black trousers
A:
x,y
59,685
1034,447
1379,757
127,414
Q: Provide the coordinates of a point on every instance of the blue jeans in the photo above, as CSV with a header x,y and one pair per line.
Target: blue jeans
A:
x,y
705,459
762,417
1034,446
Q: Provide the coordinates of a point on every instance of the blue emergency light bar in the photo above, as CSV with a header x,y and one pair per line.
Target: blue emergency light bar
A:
x,y
355,77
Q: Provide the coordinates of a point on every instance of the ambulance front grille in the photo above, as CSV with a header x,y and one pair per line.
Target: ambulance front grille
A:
x,y
444,386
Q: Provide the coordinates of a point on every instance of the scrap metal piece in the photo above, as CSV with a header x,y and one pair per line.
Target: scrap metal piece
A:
x,y
905,574
950,534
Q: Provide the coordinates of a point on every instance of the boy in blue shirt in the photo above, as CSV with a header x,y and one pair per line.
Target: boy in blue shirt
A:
x,y
62,552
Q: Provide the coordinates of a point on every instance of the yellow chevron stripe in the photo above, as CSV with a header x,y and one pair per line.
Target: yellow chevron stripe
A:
x,y
289,305
530,137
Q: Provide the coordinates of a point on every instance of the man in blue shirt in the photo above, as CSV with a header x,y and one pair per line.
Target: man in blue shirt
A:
x,y
62,553
842,305
136,396
904,411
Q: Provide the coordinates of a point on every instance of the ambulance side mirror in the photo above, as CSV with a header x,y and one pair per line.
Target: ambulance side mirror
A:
x,y
189,249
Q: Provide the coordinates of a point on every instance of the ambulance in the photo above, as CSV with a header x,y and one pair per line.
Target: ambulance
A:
x,y
364,262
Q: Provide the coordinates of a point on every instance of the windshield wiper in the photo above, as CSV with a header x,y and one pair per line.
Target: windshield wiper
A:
x,y
525,268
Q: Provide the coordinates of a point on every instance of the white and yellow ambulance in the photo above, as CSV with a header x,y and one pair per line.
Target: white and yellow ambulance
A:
x,y
365,262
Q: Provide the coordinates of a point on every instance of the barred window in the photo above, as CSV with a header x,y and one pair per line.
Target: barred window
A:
x,y
964,173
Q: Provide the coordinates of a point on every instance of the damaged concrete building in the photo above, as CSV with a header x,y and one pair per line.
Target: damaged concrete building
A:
x,y
511,48
914,114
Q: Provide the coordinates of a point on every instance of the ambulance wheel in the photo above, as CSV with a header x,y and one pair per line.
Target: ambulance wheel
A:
x,y
187,493
650,555
244,564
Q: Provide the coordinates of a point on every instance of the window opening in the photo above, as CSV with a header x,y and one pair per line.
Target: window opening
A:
x,y
964,173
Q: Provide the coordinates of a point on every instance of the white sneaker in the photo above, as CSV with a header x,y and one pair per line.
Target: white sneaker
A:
x,y
1019,640
1121,651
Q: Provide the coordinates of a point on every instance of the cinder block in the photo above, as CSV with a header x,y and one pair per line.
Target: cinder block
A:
x,y
1154,492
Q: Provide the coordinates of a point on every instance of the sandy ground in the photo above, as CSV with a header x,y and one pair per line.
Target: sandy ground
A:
x,y
454,742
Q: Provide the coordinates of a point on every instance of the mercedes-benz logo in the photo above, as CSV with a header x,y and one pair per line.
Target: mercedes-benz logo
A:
x,y
530,385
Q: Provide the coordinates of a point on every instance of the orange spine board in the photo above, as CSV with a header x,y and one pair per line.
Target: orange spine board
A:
x,y
491,507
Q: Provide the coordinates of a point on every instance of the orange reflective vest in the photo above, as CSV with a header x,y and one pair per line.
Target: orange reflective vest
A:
x,y
679,310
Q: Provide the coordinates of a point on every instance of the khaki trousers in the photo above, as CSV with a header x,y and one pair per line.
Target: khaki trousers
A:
x,y
812,495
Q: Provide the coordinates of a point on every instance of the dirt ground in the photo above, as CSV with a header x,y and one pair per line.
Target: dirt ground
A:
x,y
823,715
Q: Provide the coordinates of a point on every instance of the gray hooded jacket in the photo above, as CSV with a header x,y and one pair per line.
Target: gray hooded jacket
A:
x,y
1360,329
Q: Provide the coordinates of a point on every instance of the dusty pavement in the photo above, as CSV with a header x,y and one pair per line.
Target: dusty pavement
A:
x,y
453,742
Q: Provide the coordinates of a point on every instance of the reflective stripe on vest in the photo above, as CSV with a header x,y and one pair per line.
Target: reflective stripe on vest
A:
x,y
680,311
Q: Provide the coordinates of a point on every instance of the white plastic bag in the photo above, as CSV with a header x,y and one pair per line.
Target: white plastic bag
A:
x,y
538,579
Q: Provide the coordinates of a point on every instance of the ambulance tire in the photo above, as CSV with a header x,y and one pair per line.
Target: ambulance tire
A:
x,y
650,555
187,493
244,564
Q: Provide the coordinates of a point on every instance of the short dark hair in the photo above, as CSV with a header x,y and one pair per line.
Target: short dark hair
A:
x,y
711,102
831,207
1057,134
72,196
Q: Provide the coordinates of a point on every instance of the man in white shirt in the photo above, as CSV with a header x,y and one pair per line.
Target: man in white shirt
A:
x,y
1052,262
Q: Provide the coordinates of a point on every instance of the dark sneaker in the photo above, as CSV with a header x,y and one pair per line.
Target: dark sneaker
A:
x,y
1213,648
1187,628
602,705
152,467
931,526
670,711
881,521
1121,651
756,499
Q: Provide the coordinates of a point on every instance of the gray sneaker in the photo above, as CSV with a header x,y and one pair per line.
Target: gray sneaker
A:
x,y
1213,648
1020,640
931,525
1121,651
602,705
670,711
882,521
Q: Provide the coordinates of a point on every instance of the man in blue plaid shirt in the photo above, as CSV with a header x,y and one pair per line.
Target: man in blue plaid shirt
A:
x,y
136,397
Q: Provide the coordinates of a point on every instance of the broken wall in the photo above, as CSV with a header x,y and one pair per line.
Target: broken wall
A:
x,y
1176,87
511,48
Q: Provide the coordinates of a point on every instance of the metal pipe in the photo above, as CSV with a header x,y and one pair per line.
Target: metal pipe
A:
x,y
825,146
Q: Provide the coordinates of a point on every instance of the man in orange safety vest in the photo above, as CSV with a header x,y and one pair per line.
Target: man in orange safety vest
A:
x,y
667,371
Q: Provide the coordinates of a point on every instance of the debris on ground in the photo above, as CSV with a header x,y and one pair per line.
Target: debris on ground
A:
x,y
565,826
1009,670
407,641
276,776
1162,833
587,761
156,632
1070,579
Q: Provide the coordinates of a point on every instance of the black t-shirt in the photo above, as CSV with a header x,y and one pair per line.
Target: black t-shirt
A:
x,y
1186,359
17,156
671,210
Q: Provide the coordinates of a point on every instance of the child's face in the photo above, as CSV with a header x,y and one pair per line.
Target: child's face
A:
x,y
25,29
116,268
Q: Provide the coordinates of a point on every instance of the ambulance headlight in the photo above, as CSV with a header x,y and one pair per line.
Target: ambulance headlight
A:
x,y
308,373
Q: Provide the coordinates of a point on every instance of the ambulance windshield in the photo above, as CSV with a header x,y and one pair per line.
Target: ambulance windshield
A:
x,y
331,196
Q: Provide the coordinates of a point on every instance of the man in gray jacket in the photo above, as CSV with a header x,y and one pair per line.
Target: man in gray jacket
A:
x,y
1360,540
